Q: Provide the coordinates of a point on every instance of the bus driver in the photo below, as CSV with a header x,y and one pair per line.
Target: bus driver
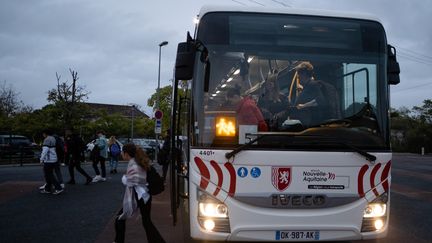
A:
x,y
308,97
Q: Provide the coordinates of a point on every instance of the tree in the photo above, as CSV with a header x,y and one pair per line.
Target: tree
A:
x,y
423,131
10,106
9,101
412,128
165,104
68,102
424,113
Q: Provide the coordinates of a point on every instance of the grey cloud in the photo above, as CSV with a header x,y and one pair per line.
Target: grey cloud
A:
x,y
114,44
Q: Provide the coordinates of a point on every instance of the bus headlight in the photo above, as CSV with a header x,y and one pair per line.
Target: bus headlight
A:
x,y
375,214
209,224
378,224
374,210
214,210
212,213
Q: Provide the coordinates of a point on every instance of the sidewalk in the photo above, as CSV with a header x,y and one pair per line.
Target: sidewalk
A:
x,y
160,213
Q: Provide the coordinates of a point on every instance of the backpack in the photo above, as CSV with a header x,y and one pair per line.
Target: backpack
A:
x,y
115,149
155,182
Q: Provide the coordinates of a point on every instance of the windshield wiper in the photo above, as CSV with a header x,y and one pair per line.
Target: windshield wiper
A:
x,y
259,136
241,147
370,157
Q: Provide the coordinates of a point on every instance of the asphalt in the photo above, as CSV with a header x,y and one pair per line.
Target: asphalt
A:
x,y
80,214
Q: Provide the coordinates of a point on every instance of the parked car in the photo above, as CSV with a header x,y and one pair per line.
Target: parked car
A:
x,y
17,146
146,145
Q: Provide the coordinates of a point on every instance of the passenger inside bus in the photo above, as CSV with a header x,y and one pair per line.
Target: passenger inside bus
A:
x,y
247,111
272,101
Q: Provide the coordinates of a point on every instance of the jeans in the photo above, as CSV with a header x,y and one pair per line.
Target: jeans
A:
x,y
49,177
152,233
113,162
102,162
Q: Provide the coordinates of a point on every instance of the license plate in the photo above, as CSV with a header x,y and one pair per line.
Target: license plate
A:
x,y
297,235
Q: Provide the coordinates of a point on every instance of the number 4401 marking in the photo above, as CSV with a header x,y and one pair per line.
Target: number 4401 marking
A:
x,y
206,152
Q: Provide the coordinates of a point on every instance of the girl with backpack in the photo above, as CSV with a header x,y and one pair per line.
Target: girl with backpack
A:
x,y
114,148
136,194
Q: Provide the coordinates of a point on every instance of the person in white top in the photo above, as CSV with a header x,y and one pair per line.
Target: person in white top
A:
x,y
49,160
136,195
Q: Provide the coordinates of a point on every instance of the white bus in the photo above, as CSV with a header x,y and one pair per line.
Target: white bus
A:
x,y
287,118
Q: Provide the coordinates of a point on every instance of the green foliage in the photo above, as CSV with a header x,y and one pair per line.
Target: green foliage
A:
x,y
412,129
67,101
165,104
424,113
165,96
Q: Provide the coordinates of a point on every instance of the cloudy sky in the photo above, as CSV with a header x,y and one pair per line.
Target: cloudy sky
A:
x,y
113,44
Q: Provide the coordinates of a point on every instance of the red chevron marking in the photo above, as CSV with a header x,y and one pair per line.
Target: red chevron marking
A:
x,y
205,173
233,178
219,173
361,174
372,178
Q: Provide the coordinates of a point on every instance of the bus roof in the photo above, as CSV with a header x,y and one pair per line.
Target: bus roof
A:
x,y
311,12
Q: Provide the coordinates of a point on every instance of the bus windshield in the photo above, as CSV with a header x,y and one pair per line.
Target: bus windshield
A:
x,y
290,74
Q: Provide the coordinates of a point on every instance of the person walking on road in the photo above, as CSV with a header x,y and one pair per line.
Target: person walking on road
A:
x,y
136,195
59,144
75,146
49,160
115,150
101,143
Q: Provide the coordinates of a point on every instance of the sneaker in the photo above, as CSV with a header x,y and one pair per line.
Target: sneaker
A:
x,y
43,191
96,178
62,185
42,187
103,179
56,192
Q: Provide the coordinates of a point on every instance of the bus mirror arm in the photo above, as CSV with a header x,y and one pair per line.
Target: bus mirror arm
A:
x,y
207,77
204,58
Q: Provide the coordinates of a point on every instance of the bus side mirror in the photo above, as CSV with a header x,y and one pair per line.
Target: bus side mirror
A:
x,y
393,69
184,66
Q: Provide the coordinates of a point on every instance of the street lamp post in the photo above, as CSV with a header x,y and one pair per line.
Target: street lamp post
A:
x,y
163,43
132,123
